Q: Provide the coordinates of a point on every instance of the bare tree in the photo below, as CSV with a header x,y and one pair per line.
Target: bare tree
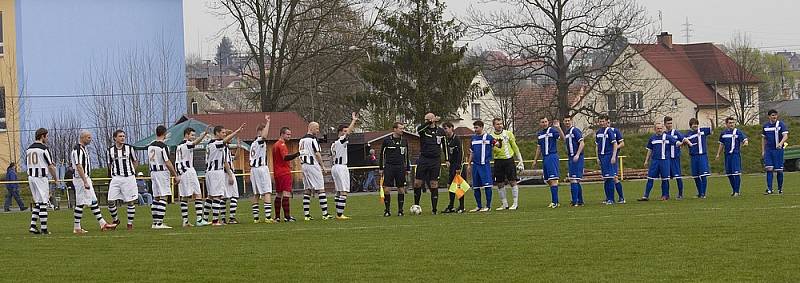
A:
x,y
742,84
63,135
571,41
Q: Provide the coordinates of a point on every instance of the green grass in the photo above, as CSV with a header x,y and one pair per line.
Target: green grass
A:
x,y
752,238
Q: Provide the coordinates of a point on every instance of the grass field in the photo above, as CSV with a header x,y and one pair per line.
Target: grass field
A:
x,y
751,238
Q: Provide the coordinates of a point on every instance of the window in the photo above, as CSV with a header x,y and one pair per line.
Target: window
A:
x,y
195,109
633,100
476,111
612,102
675,103
3,109
1,38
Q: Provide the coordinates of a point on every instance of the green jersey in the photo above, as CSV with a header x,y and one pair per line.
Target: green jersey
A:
x,y
508,145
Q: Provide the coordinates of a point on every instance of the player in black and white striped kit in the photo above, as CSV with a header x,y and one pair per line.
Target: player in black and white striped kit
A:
x,y
216,176
189,187
311,161
339,171
232,186
39,163
123,162
259,174
160,170
84,189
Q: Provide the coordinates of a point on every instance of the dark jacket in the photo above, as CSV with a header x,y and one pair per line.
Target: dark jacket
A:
x,y
11,175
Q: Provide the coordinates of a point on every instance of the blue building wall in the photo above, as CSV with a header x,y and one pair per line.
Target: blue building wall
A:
x,y
72,52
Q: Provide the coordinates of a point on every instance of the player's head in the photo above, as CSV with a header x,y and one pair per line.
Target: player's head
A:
x,y
41,135
478,127
85,137
341,129
119,136
12,166
431,118
188,133
567,121
659,128
497,124
286,133
730,123
773,115
449,129
219,132
313,128
668,123
602,121
694,124
543,122
371,152
161,131
259,129
398,128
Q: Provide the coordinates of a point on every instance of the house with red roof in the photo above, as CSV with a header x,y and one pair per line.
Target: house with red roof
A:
x,y
683,81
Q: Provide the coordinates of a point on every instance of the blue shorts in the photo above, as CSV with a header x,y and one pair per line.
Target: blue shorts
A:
x,y
482,175
576,168
733,164
773,158
674,167
609,170
550,167
700,166
659,169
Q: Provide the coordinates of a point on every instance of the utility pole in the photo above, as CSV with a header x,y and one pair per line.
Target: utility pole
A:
x,y
716,107
687,30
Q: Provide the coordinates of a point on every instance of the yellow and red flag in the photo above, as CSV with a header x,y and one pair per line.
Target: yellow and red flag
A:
x,y
381,191
459,186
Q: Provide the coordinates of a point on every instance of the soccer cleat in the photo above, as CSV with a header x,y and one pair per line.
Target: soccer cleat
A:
x,y
502,208
400,213
513,207
643,199
216,224
163,226
780,192
45,232
680,197
308,218
387,214
434,212
224,221
477,209
460,211
664,198
185,225
580,204
736,195
290,219
768,192
201,223
448,210
34,231
130,227
79,231
107,227
116,222
553,205
342,217
486,209
327,217
256,221
233,221
609,202
621,201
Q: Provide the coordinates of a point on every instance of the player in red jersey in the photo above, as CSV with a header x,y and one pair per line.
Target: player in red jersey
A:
x,y
282,161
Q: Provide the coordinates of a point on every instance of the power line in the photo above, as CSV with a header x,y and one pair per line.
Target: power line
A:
x,y
687,30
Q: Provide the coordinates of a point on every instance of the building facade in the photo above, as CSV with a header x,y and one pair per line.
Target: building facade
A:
x,y
9,119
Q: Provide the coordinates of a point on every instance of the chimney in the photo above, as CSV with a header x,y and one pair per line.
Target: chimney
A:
x,y
665,39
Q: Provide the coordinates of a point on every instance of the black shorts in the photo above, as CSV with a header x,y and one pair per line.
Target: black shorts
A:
x,y
394,177
428,169
504,170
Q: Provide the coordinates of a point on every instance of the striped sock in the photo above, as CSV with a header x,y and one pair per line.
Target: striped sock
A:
x,y
323,203
267,210
223,212
215,210
341,203
162,211
198,209
43,217
306,205
78,215
131,213
112,208
97,214
255,211
154,211
207,206
234,206
34,216
185,211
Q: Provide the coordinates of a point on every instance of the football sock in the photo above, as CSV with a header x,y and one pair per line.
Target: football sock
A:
x,y
608,186
97,214
417,195
618,187
704,184
648,187
477,193
34,216
43,217
215,210
131,213
307,205
278,206
680,186
256,212
323,203
580,193
78,215
267,209
285,205
452,199
234,207
780,180
401,200
198,209
342,203
207,208
554,194
515,194
769,181
387,201
665,188
488,196
185,211
434,199
501,190
112,208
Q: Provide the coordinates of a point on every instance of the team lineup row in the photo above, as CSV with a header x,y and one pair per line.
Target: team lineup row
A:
x,y
497,146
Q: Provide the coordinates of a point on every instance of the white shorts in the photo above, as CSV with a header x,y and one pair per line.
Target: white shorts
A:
x,y
160,180
312,177
189,184
231,190
84,193
40,189
261,180
341,178
123,188
215,183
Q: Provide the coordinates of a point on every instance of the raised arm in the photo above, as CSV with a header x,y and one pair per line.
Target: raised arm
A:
x,y
352,124
231,135
265,131
202,136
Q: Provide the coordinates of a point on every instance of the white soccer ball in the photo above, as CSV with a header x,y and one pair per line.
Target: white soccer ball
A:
x,y
416,209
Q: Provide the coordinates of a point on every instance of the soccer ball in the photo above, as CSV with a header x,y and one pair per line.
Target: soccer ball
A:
x,y
416,209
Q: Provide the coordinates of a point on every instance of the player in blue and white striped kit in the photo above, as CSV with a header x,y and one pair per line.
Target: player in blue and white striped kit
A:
x,y
480,158
775,135
547,138
574,141
659,149
606,141
675,155
698,150
731,140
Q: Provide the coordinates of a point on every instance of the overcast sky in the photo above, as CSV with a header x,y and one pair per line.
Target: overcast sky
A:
x,y
771,24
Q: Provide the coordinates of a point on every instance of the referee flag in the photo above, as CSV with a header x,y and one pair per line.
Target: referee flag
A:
x,y
459,186
381,192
